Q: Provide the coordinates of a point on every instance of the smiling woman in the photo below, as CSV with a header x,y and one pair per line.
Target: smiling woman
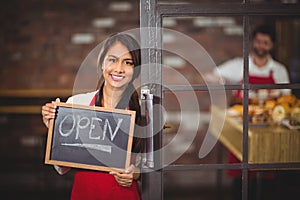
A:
x,y
119,59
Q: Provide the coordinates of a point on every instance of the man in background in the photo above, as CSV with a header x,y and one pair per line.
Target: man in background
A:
x,y
263,69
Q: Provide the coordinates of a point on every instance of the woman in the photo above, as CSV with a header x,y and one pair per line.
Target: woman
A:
x,y
119,60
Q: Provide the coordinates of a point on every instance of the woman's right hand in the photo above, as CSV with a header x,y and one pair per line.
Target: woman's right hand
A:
x,y
48,112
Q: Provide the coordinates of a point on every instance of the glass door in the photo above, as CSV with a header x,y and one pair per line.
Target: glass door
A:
x,y
193,111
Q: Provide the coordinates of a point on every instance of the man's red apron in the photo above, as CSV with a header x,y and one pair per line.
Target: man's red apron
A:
x,y
256,80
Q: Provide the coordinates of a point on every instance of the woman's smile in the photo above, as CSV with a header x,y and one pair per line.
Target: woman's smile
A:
x,y
117,77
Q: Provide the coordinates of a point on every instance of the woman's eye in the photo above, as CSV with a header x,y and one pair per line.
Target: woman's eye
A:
x,y
128,63
113,60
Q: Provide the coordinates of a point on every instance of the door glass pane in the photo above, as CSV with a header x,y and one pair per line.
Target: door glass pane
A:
x,y
272,184
194,47
273,130
200,184
194,128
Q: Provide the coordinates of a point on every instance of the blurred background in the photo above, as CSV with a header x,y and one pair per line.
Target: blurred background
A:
x,y
43,44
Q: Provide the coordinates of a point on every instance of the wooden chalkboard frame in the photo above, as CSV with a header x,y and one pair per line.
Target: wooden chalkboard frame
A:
x,y
52,132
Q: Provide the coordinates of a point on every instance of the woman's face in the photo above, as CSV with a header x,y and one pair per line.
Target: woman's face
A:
x,y
118,67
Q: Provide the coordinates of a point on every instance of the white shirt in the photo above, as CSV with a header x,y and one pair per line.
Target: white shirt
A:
x,y
82,99
232,71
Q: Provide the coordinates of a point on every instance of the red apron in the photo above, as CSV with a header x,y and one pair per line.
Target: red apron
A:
x,y
257,80
232,158
94,185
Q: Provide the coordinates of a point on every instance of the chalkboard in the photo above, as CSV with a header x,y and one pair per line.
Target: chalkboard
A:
x,y
90,137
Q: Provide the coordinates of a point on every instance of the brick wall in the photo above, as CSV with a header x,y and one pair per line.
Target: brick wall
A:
x,y
36,48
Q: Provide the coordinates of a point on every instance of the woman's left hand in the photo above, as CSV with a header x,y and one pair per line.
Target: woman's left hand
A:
x,y
125,178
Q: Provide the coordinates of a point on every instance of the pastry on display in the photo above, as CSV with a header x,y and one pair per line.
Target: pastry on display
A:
x,y
280,112
271,111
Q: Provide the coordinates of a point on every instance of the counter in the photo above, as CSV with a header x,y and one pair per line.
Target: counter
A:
x,y
266,143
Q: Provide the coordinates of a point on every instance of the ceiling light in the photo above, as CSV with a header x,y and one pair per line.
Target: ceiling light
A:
x,y
120,6
103,22
83,38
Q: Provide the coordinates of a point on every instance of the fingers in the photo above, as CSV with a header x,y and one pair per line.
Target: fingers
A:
x,y
57,100
124,179
48,112
132,169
